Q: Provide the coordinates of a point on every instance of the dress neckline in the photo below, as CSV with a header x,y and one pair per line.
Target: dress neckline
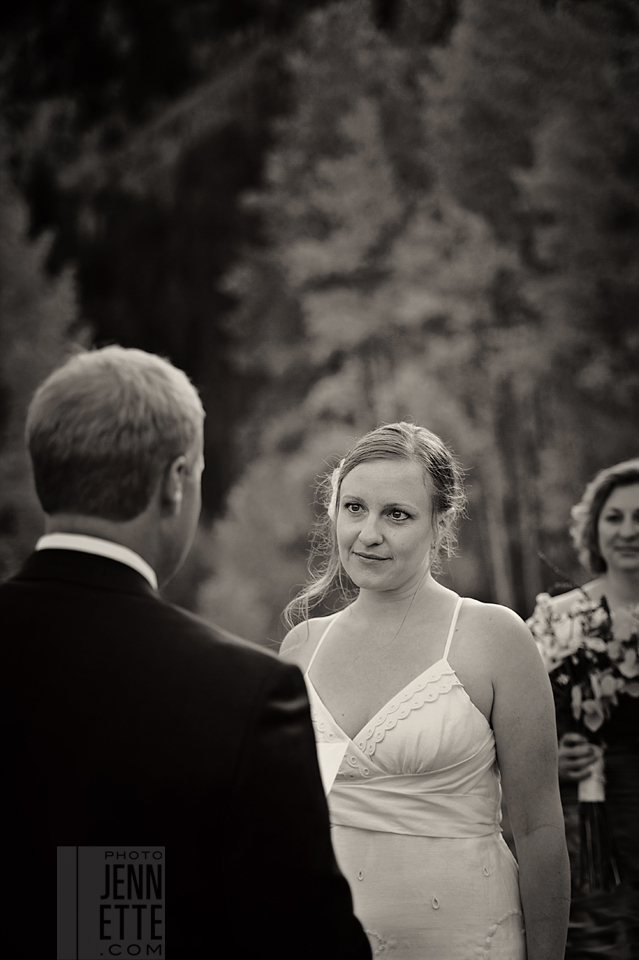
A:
x,y
383,709
407,686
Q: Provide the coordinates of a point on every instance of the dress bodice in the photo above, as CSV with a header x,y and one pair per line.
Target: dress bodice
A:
x,y
424,765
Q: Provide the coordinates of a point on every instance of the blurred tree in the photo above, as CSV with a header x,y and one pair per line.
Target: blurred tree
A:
x,y
124,60
392,209
512,79
134,127
582,199
416,22
379,284
36,312
409,196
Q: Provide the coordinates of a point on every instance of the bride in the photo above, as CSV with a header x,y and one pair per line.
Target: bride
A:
x,y
434,699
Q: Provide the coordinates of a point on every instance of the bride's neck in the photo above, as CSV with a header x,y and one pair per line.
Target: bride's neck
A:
x,y
385,605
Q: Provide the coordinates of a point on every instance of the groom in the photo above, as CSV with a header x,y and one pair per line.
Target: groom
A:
x,y
135,731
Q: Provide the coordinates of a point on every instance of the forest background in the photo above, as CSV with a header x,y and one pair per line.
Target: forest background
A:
x,y
332,215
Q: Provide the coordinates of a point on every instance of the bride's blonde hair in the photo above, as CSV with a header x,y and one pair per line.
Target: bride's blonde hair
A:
x,y
402,441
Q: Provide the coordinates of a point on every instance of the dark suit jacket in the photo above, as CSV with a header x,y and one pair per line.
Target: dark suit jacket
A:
x,y
130,722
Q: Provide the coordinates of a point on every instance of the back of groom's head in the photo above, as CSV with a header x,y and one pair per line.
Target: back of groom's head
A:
x,y
103,428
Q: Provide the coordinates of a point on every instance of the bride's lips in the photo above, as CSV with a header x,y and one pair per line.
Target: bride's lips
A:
x,y
368,556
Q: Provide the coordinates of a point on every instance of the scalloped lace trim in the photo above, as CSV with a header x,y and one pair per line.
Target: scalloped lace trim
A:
x,y
427,687
424,689
322,727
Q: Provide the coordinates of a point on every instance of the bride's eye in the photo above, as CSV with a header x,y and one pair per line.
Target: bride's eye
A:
x,y
353,507
398,514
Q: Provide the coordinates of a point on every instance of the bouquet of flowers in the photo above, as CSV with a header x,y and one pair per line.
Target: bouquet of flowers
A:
x,y
589,669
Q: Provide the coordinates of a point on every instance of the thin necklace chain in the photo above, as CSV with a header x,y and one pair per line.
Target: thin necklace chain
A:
x,y
408,609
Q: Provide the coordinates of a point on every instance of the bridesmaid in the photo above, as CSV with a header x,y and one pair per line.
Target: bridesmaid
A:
x,y
605,532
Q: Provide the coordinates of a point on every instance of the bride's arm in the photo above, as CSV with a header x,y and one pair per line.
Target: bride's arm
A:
x,y
523,719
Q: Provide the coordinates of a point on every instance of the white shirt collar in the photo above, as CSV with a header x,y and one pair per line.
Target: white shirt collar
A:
x,y
100,548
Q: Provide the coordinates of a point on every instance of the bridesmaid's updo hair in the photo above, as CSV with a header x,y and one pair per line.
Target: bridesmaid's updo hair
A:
x,y
586,513
443,476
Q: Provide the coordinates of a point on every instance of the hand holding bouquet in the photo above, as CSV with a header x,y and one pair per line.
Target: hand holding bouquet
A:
x,y
589,668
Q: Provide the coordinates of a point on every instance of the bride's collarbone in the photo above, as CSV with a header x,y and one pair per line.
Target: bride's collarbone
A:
x,y
361,675
357,678
378,647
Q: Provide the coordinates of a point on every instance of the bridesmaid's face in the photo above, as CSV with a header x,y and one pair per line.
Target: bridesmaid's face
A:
x,y
618,529
384,525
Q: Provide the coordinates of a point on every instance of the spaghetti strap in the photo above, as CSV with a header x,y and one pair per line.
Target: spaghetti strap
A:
x,y
452,627
321,641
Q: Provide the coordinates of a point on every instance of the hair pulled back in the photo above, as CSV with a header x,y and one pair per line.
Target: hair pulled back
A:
x,y
394,441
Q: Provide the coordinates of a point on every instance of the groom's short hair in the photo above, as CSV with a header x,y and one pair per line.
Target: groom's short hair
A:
x,y
103,428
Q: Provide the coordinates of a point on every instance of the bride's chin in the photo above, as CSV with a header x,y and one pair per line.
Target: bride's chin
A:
x,y
363,582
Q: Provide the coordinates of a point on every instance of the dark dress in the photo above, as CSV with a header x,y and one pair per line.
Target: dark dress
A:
x,y
605,925
128,722
608,925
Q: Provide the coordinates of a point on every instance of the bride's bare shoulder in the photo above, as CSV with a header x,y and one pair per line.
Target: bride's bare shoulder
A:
x,y
493,615
300,642
495,627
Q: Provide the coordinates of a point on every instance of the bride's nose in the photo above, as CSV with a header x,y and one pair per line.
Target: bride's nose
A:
x,y
371,531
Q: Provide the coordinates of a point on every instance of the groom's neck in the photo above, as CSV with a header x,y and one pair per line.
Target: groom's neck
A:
x,y
138,534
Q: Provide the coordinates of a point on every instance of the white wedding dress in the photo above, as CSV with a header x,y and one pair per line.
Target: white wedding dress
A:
x,y
416,811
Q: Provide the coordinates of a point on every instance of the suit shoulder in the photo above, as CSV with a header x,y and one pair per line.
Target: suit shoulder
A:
x,y
219,640
197,625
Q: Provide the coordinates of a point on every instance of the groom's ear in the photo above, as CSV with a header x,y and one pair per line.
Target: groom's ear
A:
x,y
172,487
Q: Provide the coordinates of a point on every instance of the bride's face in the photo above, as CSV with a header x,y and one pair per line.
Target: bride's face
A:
x,y
384,525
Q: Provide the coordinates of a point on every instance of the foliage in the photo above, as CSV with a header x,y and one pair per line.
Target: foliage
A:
x,y
439,240
344,213
133,126
124,60
36,313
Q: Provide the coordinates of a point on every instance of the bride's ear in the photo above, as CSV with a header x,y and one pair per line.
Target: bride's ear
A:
x,y
172,490
442,523
446,518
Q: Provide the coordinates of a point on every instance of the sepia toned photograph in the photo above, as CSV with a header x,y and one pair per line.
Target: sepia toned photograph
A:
x,y
319,478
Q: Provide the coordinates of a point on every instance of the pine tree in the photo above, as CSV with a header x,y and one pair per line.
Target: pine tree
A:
x,y
37,315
